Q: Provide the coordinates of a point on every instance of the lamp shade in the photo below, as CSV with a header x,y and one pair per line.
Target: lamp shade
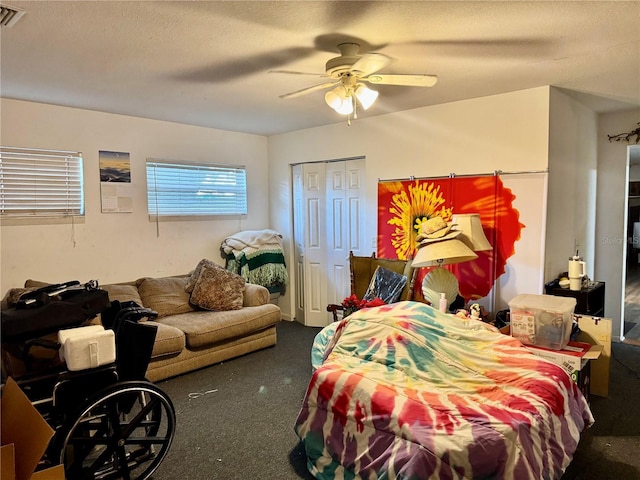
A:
x,y
365,95
340,100
334,97
445,252
472,233
347,106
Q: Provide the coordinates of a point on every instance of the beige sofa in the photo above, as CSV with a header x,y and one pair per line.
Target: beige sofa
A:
x,y
189,337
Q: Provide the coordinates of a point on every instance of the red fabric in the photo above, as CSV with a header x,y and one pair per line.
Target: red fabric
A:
x,y
403,205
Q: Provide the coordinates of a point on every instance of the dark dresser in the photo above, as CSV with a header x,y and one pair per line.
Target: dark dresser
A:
x,y
589,300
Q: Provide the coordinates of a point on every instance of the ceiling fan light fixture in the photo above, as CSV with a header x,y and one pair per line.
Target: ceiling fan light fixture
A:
x,y
365,95
340,99
346,71
346,108
335,97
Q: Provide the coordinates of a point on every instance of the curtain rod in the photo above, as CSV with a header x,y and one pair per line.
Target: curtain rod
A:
x,y
333,160
453,175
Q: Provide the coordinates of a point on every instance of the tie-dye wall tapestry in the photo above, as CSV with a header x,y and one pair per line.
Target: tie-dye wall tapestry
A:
x,y
404,205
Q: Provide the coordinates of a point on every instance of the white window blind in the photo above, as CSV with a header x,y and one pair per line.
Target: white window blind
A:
x,y
40,183
177,188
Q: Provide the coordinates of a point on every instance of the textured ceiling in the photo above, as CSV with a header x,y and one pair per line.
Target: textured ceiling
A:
x,y
207,62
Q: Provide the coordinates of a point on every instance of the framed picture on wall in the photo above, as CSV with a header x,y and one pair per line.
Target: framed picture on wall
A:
x,y
115,182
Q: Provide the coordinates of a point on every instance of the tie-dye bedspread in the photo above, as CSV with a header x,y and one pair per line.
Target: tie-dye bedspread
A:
x,y
406,392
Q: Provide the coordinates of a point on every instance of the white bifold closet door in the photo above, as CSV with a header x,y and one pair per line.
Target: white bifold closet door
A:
x,y
328,223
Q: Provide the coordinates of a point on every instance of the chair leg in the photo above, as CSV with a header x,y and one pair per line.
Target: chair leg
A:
x,y
333,308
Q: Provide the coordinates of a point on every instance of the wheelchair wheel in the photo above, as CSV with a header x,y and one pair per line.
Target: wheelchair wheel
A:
x,y
124,431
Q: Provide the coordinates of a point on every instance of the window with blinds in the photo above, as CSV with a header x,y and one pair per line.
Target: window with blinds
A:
x,y
40,183
176,188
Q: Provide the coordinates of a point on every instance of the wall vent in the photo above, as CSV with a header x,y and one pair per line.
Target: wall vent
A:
x,y
10,15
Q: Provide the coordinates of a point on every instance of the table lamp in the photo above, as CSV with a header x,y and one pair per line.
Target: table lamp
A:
x,y
472,233
446,244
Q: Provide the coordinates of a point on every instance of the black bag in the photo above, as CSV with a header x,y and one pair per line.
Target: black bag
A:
x,y
49,293
52,308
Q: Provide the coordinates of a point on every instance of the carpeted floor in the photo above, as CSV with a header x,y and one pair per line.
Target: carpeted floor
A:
x,y
610,449
235,419
632,333
243,428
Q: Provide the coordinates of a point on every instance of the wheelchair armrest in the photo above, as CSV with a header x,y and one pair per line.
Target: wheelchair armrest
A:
x,y
37,342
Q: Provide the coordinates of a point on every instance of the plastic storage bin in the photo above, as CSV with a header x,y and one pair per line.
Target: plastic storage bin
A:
x,y
542,320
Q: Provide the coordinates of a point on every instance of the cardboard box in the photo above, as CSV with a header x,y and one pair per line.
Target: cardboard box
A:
x,y
575,359
25,437
572,358
597,331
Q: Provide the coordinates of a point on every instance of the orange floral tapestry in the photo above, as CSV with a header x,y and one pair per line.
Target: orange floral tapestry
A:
x,y
404,205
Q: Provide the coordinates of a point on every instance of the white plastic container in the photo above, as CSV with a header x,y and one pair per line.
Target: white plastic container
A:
x,y
87,347
442,306
542,320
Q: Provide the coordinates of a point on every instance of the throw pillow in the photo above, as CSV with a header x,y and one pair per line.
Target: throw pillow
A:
x,y
196,273
165,295
30,283
386,285
218,289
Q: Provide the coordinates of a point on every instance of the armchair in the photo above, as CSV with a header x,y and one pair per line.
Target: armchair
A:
x,y
362,269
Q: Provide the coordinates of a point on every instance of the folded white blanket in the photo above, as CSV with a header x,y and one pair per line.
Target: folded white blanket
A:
x,y
251,239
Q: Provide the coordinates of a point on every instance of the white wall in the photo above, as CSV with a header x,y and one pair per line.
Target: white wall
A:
x,y
611,213
507,132
573,163
122,246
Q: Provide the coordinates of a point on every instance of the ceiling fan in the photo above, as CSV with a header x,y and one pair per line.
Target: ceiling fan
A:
x,y
347,73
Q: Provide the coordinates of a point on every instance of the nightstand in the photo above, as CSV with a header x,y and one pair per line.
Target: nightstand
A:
x,y
589,300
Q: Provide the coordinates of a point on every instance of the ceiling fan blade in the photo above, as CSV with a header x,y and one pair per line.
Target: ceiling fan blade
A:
x,y
370,63
307,90
418,80
295,72
218,72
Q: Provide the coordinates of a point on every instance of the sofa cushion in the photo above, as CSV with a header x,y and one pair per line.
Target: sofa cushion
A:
x,y
169,341
203,329
123,293
218,289
193,278
255,295
165,295
30,283
13,295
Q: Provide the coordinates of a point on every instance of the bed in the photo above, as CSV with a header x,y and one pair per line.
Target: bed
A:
x,y
405,392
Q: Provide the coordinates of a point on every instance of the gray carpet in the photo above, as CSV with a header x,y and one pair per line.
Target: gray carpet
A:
x,y
632,331
244,429
235,419
610,449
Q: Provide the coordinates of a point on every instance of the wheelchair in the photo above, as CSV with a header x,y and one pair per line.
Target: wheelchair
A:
x,y
109,421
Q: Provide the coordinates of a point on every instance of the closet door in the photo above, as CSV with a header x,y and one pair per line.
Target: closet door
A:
x,y
345,226
328,223
313,247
